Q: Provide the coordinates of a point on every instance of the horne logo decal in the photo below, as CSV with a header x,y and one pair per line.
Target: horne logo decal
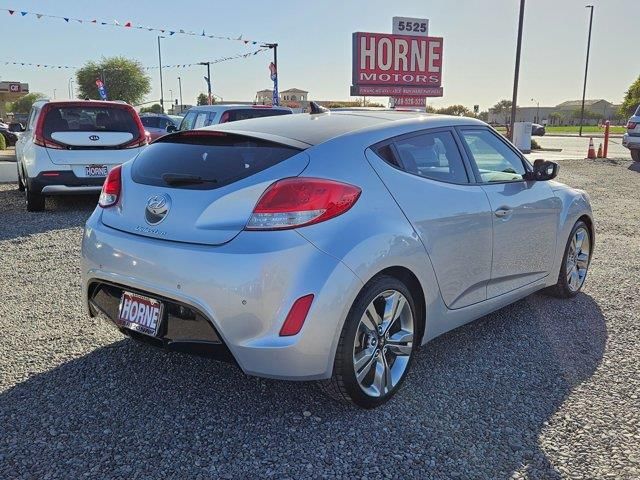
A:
x,y
94,138
157,208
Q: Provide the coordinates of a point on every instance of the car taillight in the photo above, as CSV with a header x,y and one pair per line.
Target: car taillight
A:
x,y
296,202
111,188
143,138
631,125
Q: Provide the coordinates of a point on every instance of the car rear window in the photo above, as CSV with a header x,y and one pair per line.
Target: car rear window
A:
x,y
89,119
206,160
638,111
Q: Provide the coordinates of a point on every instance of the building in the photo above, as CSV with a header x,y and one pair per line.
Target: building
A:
x,y
293,97
565,113
10,92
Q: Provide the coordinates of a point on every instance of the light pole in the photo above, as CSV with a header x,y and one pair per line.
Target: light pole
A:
x,y
537,110
208,78
160,65
70,85
274,46
54,93
171,97
180,88
514,99
586,68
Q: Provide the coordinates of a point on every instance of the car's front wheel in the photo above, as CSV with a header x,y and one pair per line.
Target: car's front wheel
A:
x,y
575,262
635,154
376,346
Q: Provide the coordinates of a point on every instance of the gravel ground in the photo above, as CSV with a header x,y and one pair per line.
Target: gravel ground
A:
x,y
544,388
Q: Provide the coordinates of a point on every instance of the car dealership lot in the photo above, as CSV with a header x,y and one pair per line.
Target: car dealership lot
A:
x,y
543,388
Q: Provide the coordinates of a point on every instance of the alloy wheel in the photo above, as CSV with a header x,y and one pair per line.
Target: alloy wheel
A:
x,y
577,261
383,343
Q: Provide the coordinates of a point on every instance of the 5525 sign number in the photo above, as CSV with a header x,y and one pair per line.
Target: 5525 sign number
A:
x,y
411,26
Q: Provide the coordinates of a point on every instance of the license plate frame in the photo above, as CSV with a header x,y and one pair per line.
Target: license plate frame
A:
x,y
148,322
96,170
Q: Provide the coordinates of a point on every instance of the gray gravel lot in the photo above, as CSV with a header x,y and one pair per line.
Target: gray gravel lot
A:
x,y
544,388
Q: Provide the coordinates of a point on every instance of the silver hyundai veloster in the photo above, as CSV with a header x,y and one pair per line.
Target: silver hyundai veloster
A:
x,y
328,246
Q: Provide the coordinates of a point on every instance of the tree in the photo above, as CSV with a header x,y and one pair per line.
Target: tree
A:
x,y
484,116
457,110
429,109
24,104
503,106
631,99
203,99
155,108
124,79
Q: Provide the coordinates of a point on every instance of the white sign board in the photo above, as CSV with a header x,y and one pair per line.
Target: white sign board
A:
x,y
411,26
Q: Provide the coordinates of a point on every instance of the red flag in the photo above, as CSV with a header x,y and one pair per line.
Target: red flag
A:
x,y
128,24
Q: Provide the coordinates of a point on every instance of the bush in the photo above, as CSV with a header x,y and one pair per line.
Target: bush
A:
x,y
3,144
535,145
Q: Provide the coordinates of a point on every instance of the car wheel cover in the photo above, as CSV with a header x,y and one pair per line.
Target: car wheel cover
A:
x,y
383,343
577,261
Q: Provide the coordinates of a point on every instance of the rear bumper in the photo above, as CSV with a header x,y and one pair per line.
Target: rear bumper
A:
x,y
65,183
243,290
632,142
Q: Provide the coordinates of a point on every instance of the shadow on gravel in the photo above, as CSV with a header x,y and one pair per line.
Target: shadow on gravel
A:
x,y
635,166
472,407
60,213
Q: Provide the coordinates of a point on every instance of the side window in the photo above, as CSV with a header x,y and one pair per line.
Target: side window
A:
x,y
201,120
432,155
211,118
496,162
31,122
188,121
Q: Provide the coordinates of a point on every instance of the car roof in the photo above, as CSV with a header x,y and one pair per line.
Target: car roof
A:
x,y
80,102
313,129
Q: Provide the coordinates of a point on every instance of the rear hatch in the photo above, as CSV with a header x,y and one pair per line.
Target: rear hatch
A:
x,y
199,186
81,133
633,126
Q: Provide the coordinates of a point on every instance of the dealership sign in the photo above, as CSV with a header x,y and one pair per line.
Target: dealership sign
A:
x,y
396,65
409,101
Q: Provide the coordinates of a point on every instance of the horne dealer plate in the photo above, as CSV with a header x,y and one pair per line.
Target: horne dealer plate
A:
x,y
140,313
95,170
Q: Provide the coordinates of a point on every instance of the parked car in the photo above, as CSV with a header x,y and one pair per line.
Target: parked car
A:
x,y
69,147
156,124
328,246
631,139
10,137
538,130
205,115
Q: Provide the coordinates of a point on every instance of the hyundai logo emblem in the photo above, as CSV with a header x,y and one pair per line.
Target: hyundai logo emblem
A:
x,y
94,138
157,208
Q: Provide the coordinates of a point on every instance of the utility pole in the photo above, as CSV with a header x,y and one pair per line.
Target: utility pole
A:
x,y
180,89
208,78
514,99
160,65
274,47
586,68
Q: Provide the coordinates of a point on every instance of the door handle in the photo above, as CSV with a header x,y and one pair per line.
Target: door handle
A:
x,y
503,212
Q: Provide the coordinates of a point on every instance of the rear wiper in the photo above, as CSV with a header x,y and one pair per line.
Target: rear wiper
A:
x,y
185,179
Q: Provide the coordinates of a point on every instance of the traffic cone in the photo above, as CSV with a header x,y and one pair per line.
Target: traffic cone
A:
x,y
592,151
600,151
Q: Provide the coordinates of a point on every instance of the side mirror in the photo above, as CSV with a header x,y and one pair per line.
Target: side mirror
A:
x,y
171,128
543,170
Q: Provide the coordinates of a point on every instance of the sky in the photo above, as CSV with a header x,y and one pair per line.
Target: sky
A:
x,y
314,38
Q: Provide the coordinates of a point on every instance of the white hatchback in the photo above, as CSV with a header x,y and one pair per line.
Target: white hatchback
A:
x,y
69,147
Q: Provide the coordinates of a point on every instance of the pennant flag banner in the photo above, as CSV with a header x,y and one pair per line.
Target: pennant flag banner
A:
x,y
180,65
130,24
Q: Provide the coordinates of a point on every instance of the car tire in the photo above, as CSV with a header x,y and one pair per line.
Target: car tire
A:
x,y
20,182
575,264
370,363
635,154
35,201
